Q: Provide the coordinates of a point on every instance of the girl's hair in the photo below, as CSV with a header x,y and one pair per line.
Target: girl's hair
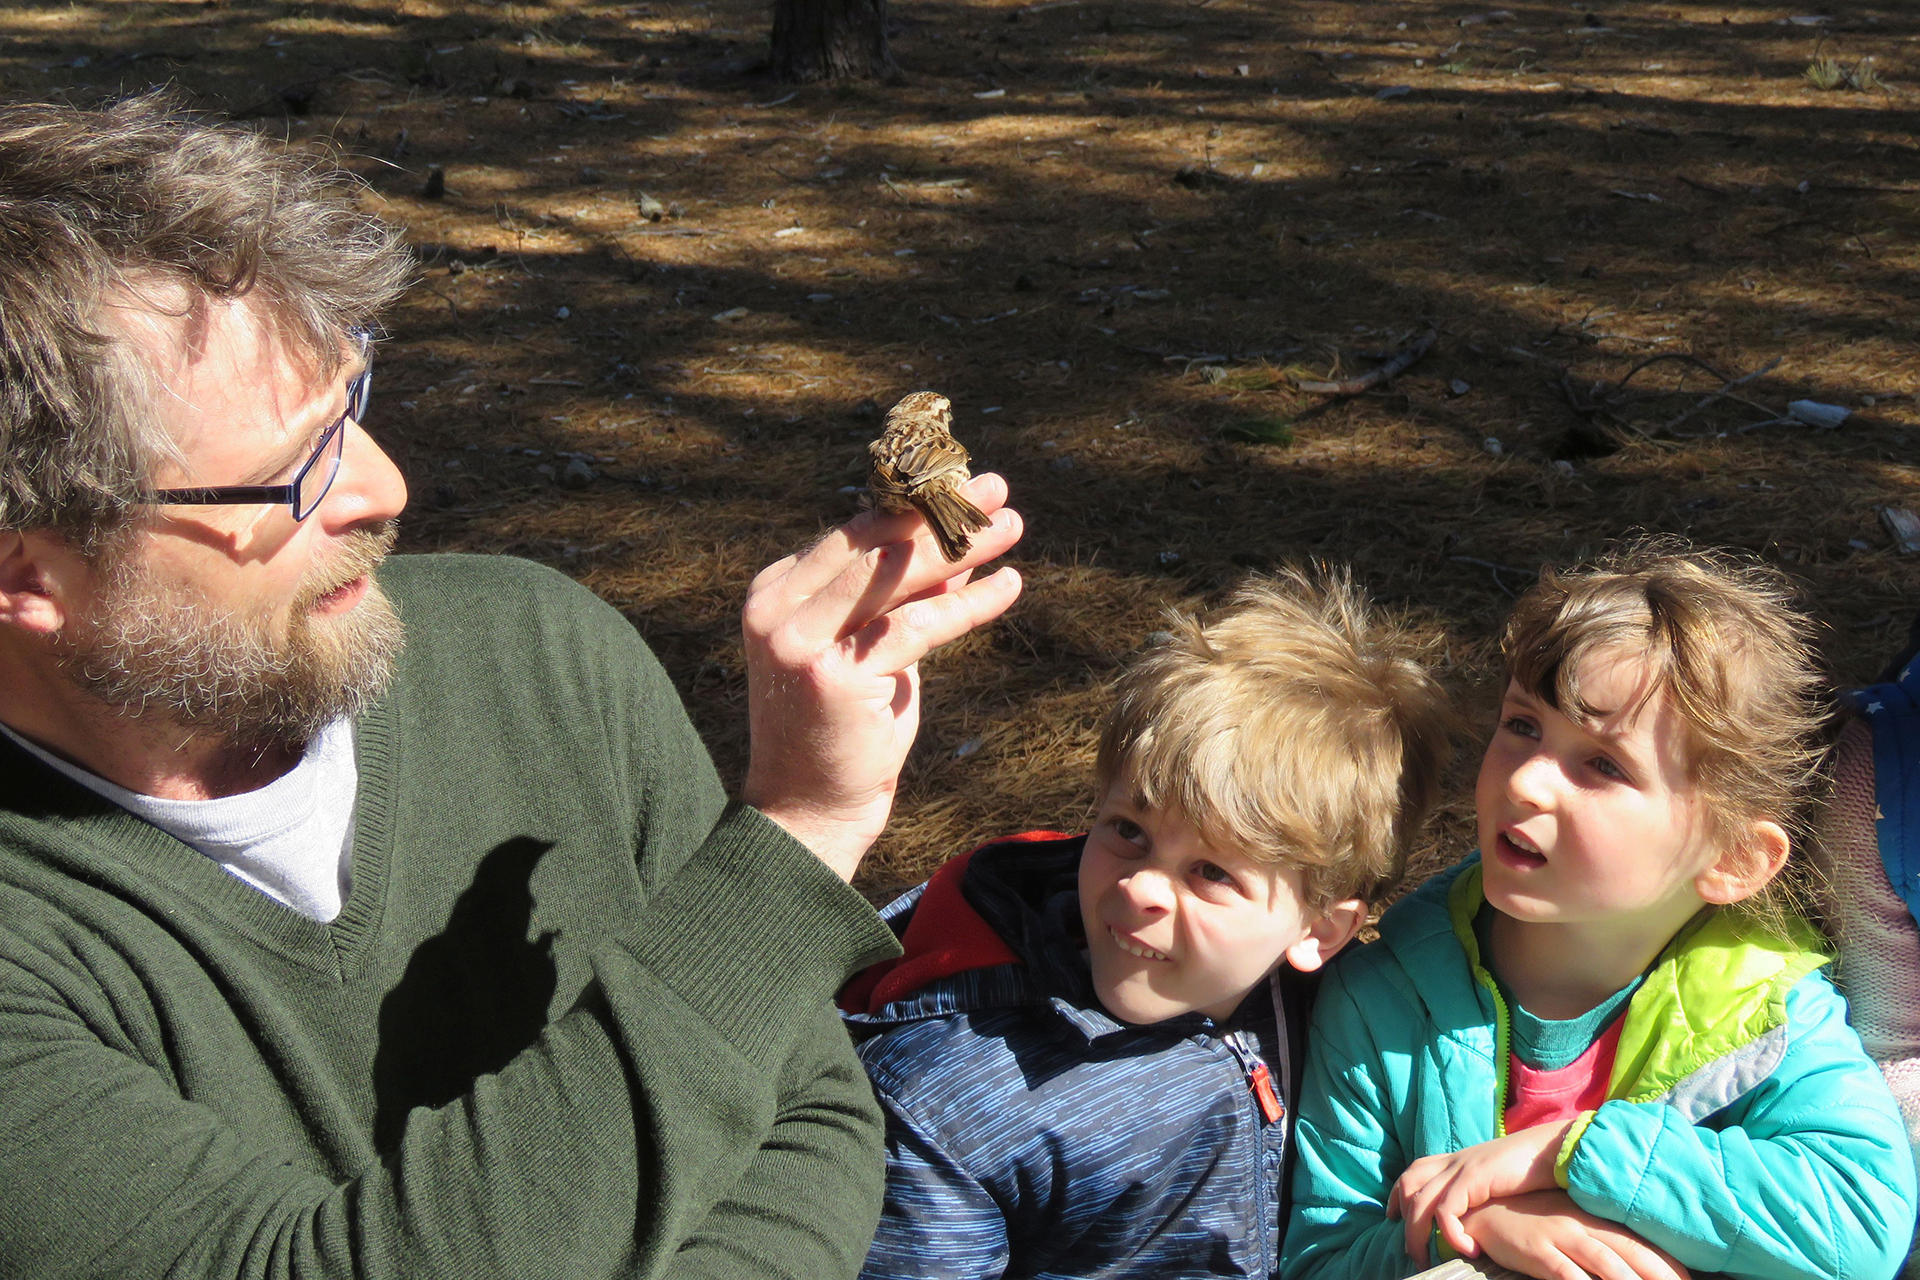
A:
x,y
1294,726
1726,641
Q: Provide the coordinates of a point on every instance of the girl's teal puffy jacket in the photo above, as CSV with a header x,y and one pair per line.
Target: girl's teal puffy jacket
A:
x,y
1748,1133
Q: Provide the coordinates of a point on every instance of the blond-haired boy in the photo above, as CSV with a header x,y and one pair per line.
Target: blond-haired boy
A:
x,y
1086,1054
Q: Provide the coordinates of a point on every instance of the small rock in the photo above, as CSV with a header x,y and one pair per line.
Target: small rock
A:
x,y
1815,414
545,469
650,209
1459,386
731,314
966,748
819,297
1859,544
1214,374
562,314
1395,91
436,183
578,475
1493,446
1565,468
1904,526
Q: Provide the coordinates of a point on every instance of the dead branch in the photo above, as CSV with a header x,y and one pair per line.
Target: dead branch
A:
x,y
1373,377
1768,367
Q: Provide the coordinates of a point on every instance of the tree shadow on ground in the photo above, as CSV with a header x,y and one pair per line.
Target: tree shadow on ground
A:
x,y
1064,221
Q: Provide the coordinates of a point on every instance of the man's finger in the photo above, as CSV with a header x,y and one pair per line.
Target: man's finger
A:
x,y
825,560
908,633
884,578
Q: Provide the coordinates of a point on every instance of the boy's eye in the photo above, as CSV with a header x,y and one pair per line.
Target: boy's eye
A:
x,y
1214,873
1129,830
1608,769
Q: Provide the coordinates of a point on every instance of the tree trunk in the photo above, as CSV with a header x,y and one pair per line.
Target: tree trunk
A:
x,y
831,40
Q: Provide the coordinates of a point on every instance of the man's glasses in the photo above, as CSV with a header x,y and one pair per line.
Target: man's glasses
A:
x,y
311,482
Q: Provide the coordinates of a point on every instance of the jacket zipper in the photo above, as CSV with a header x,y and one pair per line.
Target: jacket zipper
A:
x,y
1266,1100
1502,1050
1259,1077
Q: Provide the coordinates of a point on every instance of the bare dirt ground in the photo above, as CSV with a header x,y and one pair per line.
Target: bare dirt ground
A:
x,y
1110,230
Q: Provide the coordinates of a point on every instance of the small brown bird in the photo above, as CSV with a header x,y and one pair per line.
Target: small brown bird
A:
x,y
918,465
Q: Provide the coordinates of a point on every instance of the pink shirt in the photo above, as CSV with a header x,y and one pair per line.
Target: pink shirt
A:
x,y
1536,1097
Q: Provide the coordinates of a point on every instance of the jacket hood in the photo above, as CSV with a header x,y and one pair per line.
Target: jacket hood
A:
x,y
1707,1024
1005,915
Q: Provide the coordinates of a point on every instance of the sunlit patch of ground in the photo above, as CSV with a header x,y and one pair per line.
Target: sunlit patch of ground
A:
x,y
689,279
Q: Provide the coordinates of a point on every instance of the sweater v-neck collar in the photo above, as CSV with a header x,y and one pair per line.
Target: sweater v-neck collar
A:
x,y
174,877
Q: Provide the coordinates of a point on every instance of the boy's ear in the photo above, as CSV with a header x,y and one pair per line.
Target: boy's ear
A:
x,y
1746,867
1333,929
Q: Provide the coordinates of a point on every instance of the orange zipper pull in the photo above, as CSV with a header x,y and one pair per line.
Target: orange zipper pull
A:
x,y
1261,1081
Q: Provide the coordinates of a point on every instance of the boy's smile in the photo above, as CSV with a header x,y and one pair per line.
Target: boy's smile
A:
x,y
1177,926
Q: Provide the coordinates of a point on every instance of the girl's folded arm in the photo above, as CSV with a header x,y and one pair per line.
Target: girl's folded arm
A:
x,y
1808,1174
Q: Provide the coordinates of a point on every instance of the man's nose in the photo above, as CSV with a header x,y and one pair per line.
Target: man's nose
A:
x,y
369,488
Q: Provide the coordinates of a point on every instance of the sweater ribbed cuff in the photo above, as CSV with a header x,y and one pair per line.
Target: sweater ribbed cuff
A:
x,y
755,932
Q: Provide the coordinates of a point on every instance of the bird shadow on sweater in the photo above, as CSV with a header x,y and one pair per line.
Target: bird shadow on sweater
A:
x,y
472,998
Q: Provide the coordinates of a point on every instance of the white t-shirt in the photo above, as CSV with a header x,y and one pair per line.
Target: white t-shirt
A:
x,y
291,839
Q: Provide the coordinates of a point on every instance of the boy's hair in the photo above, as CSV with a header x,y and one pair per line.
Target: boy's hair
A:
x,y
143,201
1292,726
1725,640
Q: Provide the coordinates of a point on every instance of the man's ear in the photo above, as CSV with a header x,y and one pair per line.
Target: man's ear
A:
x,y
1746,867
35,573
1333,929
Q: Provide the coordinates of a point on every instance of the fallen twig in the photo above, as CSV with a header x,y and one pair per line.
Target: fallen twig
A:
x,y
1374,377
1496,569
1768,367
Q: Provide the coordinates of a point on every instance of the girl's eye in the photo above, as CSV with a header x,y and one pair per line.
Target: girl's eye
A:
x,y
1608,769
1520,725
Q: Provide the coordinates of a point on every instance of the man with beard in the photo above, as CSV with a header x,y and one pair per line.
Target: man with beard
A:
x,y
322,953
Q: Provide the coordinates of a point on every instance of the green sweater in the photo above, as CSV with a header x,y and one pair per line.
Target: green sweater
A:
x,y
572,1021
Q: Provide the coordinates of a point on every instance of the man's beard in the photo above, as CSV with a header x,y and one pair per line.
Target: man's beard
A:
x,y
157,648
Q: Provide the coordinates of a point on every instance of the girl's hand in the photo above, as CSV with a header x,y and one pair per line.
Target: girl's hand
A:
x,y
1437,1190
1544,1234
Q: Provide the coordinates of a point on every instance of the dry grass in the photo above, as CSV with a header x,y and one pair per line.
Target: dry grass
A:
x,y
1555,191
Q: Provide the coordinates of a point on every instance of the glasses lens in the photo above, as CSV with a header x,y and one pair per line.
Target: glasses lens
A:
x,y
311,485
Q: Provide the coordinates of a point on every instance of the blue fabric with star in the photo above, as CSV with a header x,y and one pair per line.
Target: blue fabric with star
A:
x,y
1892,710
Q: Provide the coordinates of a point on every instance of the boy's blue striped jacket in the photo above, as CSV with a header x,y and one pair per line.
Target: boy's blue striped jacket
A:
x,y
1031,1134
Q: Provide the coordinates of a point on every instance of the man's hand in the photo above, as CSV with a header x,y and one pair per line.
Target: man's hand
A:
x,y
833,636
1436,1190
1544,1234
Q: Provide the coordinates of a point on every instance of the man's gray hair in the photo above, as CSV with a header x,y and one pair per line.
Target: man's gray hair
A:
x,y
143,200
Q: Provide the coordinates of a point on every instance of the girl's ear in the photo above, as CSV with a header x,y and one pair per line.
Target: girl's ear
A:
x,y
1746,867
